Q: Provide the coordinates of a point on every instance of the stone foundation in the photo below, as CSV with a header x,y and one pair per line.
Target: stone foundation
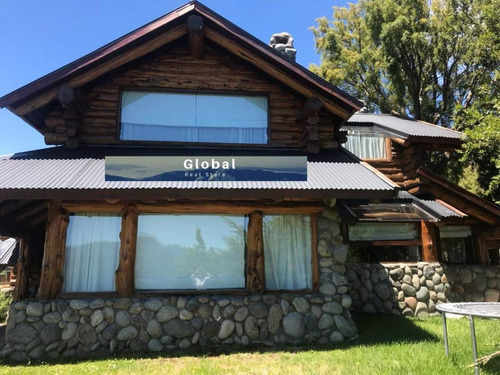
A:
x,y
82,327
67,328
416,289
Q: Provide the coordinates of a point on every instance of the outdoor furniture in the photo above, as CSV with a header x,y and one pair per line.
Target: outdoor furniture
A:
x,y
471,309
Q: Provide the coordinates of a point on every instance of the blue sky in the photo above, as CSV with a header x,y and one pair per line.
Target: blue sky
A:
x,y
38,37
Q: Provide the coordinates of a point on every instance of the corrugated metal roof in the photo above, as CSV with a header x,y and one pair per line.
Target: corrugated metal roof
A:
x,y
59,168
403,127
9,252
431,207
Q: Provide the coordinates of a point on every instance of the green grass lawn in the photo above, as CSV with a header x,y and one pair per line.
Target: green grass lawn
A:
x,y
387,345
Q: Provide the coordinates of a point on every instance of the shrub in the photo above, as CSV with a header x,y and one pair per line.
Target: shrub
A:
x,y
5,301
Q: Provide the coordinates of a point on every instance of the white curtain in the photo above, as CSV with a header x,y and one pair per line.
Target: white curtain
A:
x,y
92,251
366,146
385,231
193,117
190,252
287,252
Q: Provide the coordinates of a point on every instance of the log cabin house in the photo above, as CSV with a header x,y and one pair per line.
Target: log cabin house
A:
x,y
107,266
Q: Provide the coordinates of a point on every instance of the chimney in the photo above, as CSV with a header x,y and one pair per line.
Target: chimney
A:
x,y
283,42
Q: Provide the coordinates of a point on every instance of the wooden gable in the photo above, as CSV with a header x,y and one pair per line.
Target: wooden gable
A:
x,y
176,69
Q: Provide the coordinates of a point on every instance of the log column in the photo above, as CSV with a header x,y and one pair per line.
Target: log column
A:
x,y
429,242
53,255
128,236
23,268
255,254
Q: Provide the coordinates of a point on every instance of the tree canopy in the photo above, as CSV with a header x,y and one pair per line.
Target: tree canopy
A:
x,y
435,61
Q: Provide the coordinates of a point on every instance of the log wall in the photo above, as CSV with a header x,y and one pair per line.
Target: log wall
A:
x,y
178,69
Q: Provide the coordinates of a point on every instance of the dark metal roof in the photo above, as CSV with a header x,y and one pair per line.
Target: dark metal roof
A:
x,y
63,169
163,24
401,127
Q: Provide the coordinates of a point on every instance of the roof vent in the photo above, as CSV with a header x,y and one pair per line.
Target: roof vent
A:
x,y
283,42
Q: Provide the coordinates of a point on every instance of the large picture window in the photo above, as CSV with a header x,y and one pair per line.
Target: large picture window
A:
x,y
190,252
287,252
183,117
92,250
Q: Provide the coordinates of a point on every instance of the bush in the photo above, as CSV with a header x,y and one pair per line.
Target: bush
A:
x,y
5,301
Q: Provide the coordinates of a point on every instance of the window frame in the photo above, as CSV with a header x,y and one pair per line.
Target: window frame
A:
x,y
388,148
193,92
209,208
383,243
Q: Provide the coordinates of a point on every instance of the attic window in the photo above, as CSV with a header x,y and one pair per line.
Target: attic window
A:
x,y
368,145
189,117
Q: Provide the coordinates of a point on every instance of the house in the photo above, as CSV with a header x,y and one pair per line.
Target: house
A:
x,y
156,265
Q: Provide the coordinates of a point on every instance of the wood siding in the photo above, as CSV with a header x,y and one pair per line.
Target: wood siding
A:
x,y
402,167
178,70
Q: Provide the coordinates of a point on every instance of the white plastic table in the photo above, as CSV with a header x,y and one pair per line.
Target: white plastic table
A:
x,y
471,309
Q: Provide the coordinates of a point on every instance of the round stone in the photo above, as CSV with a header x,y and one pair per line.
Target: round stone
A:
x,y
408,290
241,314
52,318
110,332
226,329
154,345
127,333
327,289
274,318
325,322
336,337
338,279
96,318
251,327
185,314
228,311
210,329
78,304
23,334
340,253
258,310
421,310
481,282
97,303
178,329
411,302
332,308
324,248
153,304
69,331
491,295
344,326
34,309
166,313
122,318
293,325
423,294
301,305
346,301
154,328
86,334
122,303
204,311
465,275
382,291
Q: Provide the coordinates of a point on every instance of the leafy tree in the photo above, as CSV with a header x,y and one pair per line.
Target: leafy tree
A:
x,y
429,60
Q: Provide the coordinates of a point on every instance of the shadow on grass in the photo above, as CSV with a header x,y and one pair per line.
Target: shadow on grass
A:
x,y
374,329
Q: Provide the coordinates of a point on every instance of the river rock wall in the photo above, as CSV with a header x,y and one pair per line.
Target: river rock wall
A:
x,y
416,289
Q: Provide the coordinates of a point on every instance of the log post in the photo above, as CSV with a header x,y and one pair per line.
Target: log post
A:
x,y
52,276
23,270
128,240
310,133
196,32
429,242
255,254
